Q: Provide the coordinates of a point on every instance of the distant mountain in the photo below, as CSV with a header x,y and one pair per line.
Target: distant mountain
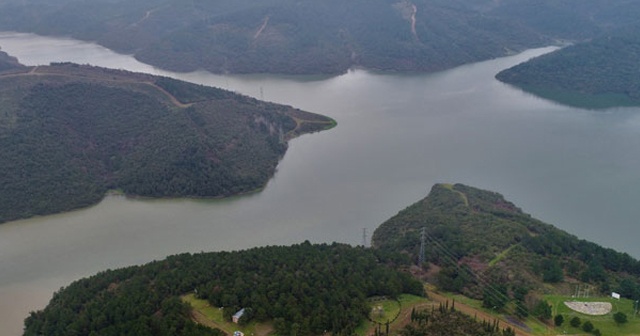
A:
x,y
476,240
70,133
311,37
601,73
284,36
568,19
8,63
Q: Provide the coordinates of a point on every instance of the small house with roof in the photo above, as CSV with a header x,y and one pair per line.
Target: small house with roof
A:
x,y
236,317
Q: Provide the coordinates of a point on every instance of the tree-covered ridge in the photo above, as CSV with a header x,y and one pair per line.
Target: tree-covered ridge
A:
x,y
70,133
282,36
8,63
296,37
600,73
487,248
474,222
304,289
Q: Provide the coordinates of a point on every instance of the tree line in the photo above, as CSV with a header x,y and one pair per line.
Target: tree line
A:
x,y
302,289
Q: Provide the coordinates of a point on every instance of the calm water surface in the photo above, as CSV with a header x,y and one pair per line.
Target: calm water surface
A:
x,y
397,136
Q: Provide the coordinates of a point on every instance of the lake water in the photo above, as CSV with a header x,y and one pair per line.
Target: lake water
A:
x,y
397,135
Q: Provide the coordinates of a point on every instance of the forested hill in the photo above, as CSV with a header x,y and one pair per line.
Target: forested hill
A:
x,y
8,63
303,289
476,240
602,73
283,36
308,36
70,133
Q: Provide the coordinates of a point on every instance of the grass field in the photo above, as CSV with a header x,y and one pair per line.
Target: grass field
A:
x,y
536,327
213,318
384,310
604,323
391,310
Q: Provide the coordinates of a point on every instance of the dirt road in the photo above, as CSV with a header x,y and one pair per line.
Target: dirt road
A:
x,y
481,315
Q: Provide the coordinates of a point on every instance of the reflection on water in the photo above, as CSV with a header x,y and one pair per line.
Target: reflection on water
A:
x,y
397,135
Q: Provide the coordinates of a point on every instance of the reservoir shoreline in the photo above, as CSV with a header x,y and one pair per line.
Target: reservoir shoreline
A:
x,y
397,135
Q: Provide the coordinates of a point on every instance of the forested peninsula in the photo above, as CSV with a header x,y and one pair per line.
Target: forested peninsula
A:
x,y
71,133
484,247
601,73
507,271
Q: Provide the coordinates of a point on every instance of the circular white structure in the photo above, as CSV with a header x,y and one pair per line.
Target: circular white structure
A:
x,y
590,308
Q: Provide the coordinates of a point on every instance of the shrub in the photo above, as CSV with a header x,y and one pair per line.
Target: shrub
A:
x,y
558,320
620,318
587,326
575,322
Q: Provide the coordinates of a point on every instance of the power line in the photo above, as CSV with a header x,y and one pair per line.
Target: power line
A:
x,y
422,246
492,291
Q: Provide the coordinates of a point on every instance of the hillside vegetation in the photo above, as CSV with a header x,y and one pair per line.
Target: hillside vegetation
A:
x,y
70,133
300,37
600,73
8,63
302,290
331,36
507,264
484,247
283,36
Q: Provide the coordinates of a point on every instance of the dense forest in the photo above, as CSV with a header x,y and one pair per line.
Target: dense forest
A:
x,y
485,247
304,289
69,134
282,36
600,73
286,36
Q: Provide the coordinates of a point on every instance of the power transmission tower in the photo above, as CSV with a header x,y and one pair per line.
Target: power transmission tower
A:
x,y
423,235
364,237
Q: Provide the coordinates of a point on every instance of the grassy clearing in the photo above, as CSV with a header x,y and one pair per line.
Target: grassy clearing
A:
x,y
501,255
536,327
605,323
462,195
391,310
466,300
214,319
384,310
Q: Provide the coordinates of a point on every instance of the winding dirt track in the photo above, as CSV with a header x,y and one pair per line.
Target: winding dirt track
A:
x,y
413,21
34,72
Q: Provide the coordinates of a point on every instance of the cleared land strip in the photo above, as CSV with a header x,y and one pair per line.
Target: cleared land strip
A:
x,y
34,72
479,314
